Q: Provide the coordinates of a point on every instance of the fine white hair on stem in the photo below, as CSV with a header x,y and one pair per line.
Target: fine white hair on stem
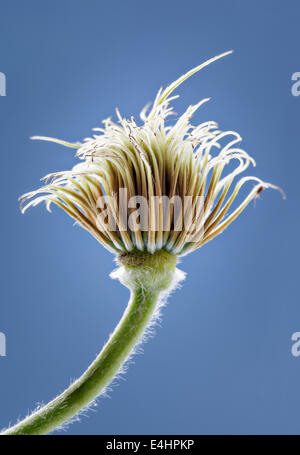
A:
x,y
151,161
121,274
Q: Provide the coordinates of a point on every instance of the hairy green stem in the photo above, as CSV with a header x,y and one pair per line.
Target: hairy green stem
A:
x,y
146,284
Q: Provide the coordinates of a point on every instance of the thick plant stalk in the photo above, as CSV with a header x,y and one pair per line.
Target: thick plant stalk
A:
x,y
147,282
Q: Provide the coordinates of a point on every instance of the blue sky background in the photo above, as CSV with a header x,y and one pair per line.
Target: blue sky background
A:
x,y
221,362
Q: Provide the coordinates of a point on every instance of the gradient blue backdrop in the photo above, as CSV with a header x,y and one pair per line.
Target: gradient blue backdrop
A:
x,y
221,362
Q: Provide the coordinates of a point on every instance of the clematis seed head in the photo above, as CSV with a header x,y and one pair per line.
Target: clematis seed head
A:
x,y
153,186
